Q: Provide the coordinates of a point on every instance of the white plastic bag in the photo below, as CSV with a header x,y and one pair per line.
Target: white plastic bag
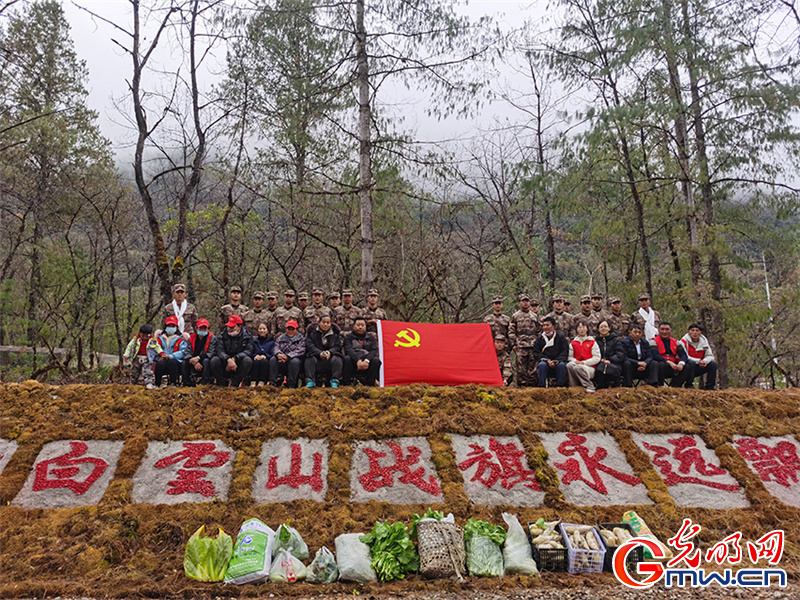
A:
x,y
252,554
286,568
289,538
353,559
323,567
516,550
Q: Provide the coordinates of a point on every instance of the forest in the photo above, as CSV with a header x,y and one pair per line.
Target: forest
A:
x,y
648,146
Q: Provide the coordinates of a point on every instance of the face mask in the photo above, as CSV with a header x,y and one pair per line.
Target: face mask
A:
x,y
171,330
202,333
233,333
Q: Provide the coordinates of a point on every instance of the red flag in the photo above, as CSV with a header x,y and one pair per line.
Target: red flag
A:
x,y
437,354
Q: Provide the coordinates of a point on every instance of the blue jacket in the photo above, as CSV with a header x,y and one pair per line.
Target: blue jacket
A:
x,y
173,346
267,347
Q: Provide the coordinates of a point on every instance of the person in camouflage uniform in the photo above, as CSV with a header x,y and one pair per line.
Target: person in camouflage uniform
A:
x,y
599,313
504,359
334,299
257,315
347,313
497,320
317,308
587,314
564,320
524,328
286,313
234,307
180,303
272,306
620,322
302,301
372,313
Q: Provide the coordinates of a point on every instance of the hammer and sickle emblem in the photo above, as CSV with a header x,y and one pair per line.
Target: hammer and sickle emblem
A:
x,y
411,338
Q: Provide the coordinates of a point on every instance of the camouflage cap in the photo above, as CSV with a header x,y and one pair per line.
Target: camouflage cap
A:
x,y
272,295
179,287
597,295
302,296
644,296
334,295
500,336
347,292
558,298
614,300
534,302
585,298
235,288
524,296
497,299
372,292
289,293
261,295
317,291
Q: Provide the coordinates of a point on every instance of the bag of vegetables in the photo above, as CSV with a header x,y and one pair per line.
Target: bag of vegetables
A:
x,y
392,551
484,557
323,568
207,558
290,539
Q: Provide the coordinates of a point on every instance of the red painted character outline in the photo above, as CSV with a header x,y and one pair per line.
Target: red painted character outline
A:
x,y
295,479
688,455
593,462
779,464
192,482
67,469
508,469
378,476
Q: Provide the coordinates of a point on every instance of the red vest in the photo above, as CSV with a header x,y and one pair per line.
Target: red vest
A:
x,y
693,352
193,338
582,350
672,355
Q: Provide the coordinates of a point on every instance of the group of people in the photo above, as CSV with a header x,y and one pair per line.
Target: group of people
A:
x,y
264,345
336,343
597,348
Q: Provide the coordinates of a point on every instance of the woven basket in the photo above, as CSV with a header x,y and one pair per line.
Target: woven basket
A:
x,y
441,550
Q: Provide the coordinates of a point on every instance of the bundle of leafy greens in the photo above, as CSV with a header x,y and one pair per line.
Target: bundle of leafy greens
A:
x,y
429,514
483,541
391,550
206,558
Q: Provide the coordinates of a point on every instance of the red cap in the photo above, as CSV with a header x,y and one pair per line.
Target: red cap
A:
x,y
234,320
292,323
201,322
173,320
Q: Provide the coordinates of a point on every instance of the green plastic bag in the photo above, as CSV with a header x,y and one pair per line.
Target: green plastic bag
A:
x,y
206,558
484,557
252,554
289,538
323,568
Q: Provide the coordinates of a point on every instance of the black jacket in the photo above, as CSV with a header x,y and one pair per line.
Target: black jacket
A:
x,y
630,351
558,352
234,347
611,348
360,347
317,343
197,346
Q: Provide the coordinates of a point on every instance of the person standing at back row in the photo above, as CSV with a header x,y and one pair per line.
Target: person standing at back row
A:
x,y
497,320
647,318
182,309
373,313
234,307
347,313
523,330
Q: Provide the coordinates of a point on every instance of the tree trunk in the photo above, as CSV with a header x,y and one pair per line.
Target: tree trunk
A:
x,y
365,151
35,284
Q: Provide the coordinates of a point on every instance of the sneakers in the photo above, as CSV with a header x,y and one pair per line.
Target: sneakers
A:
x,y
334,383
260,384
310,383
150,386
252,384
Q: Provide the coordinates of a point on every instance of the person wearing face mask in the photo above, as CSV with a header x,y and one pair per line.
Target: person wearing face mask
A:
x,y
234,356
168,349
323,352
197,361
290,349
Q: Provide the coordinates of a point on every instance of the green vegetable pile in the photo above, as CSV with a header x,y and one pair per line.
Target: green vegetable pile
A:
x,y
206,558
392,551
475,527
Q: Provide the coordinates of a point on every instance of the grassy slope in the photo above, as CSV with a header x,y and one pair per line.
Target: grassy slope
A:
x,y
122,549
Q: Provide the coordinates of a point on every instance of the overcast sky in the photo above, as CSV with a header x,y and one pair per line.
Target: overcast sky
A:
x,y
109,68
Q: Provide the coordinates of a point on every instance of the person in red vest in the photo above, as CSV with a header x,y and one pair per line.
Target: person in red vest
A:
x,y
169,349
197,363
701,357
673,362
584,354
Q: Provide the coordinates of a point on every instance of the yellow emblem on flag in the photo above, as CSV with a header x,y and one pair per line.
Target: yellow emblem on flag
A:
x,y
411,338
